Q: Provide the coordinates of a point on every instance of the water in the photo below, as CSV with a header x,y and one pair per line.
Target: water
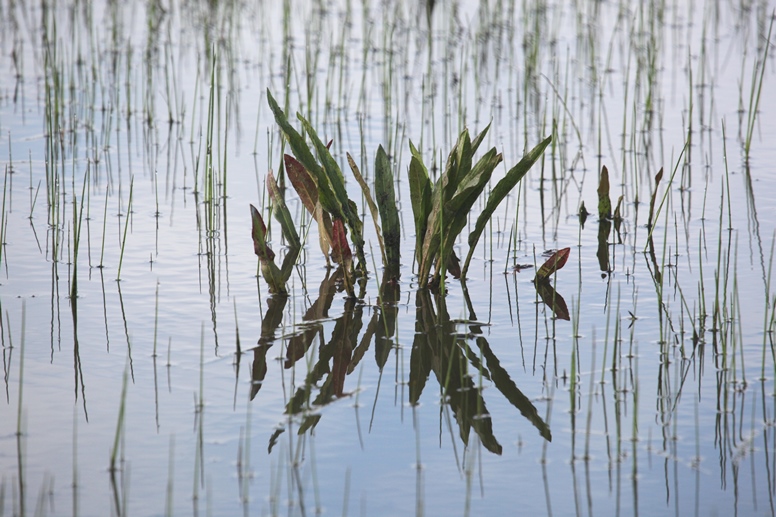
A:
x,y
673,405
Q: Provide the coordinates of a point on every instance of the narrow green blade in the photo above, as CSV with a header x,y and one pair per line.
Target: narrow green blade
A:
x,y
389,215
499,192
420,197
369,201
282,214
295,140
479,138
473,184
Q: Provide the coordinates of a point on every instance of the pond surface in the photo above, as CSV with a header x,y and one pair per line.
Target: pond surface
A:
x,y
147,370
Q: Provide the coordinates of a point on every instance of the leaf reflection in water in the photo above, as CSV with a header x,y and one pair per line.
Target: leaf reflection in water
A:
x,y
437,347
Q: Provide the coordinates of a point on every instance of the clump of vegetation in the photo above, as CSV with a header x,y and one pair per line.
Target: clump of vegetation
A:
x,y
441,210
321,186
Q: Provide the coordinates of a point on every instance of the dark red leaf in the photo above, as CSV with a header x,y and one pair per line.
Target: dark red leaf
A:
x,y
259,234
340,250
303,182
554,263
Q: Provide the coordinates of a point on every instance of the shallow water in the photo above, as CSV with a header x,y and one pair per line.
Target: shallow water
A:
x,y
657,392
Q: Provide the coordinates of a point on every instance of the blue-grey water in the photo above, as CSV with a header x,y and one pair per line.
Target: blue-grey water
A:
x,y
657,390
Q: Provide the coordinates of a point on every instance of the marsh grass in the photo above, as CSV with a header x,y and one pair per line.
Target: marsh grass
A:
x,y
758,75
3,216
457,80
127,220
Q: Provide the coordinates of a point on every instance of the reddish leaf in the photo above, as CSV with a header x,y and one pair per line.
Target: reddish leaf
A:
x,y
303,182
339,243
324,230
554,263
553,300
342,255
259,233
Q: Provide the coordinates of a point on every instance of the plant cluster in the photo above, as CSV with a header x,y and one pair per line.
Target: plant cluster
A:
x,y
441,209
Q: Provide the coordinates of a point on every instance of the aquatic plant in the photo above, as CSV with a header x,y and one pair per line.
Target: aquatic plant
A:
x,y
441,210
323,184
321,188
275,277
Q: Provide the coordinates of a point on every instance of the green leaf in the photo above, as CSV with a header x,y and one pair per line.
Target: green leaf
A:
x,y
282,214
458,163
420,196
478,139
369,201
305,156
473,184
499,192
347,208
389,215
295,140
438,220
331,169
431,240
458,209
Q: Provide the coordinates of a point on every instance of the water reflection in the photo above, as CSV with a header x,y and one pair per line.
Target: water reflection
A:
x,y
439,347
552,299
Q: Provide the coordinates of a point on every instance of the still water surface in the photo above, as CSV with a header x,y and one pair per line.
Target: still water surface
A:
x,y
652,394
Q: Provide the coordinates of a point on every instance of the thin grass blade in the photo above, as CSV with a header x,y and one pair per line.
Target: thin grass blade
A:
x,y
282,214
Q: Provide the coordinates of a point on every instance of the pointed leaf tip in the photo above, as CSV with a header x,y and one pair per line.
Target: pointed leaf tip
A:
x,y
554,263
